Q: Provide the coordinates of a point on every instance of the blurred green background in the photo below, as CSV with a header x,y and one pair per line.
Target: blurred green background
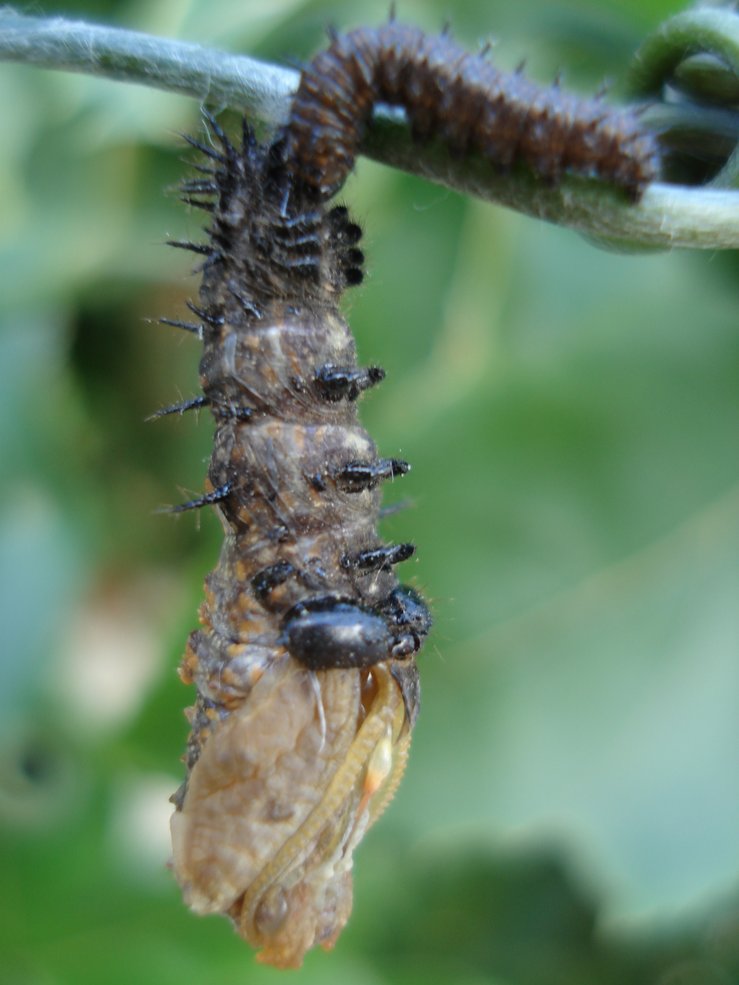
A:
x,y
570,810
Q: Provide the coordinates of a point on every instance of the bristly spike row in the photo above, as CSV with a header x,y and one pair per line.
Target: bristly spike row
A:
x,y
194,403
214,320
217,495
210,152
248,306
187,326
378,558
198,203
504,118
201,248
217,131
307,686
199,186
200,168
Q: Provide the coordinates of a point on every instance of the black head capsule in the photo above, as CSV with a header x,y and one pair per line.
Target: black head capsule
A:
x,y
408,619
328,632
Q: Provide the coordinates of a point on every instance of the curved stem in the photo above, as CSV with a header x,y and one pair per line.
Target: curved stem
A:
x,y
700,48
712,30
667,216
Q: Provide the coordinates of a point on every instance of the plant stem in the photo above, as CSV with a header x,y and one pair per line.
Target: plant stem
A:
x,y
214,77
667,216
695,31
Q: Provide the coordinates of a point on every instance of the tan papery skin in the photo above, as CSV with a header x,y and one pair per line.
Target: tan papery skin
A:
x,y
283,790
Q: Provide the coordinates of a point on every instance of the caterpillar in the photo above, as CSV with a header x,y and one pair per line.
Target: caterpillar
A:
x,y
462,100
304,665
307,687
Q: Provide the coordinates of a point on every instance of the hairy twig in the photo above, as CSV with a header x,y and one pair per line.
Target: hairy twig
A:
x,y
667,216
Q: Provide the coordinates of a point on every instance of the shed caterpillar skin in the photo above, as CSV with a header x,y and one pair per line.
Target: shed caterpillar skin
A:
x,y
459,98
307,687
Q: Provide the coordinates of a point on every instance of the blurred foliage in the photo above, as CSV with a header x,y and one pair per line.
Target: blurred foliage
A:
x,y
569,814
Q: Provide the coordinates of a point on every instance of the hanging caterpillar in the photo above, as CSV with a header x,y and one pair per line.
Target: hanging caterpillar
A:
x,y
304,665
306,684
462,100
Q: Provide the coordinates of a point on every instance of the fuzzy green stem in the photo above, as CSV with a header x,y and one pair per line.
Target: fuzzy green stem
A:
x,y
214,77
667,216
696,31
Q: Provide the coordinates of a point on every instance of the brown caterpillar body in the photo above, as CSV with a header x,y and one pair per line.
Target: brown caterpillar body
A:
x,y
306,683
462,100
307,687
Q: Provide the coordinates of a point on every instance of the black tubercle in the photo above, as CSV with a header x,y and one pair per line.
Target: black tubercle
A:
x,y
346,231
266,580
353,275
378,558
355,477
336,383
345,234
